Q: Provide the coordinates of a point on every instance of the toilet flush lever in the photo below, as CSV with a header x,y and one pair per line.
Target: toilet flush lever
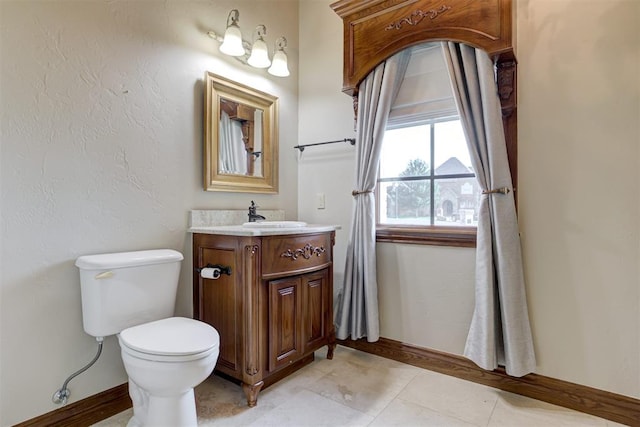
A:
x,y
104,275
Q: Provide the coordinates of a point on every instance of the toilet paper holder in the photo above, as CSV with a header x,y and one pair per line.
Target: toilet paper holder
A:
x,y
223,269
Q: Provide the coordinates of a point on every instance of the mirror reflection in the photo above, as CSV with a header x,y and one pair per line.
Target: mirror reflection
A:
x,y
240,137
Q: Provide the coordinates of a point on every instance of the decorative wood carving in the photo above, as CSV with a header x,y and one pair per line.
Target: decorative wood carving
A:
x,y
354,98
251,392
306,252
507,79
506,85
252,325
506,74
418,16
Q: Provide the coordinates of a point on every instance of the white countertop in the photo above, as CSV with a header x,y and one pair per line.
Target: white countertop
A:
x,y
239,230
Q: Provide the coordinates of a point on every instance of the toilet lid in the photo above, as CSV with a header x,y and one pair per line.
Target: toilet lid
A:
x,y
174,336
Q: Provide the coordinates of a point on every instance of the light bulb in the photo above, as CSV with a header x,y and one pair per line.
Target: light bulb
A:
x,y
279,65
259,54
232,43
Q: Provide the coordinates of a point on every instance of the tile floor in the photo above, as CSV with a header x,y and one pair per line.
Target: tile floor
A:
x,y
360,389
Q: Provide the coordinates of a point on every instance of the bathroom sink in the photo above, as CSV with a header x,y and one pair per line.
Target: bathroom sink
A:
x,y
275,224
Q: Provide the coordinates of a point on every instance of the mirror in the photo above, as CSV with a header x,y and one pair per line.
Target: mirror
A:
x,y
240,137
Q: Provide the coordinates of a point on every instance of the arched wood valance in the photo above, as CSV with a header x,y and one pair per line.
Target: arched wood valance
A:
x,y
374,30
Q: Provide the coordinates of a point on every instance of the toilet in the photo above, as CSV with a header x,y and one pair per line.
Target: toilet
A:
x,y
132,295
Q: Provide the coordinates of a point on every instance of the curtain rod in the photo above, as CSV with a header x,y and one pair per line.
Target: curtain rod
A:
x,y
351,141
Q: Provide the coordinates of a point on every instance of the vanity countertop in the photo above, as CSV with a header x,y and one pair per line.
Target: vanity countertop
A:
x,y
239,230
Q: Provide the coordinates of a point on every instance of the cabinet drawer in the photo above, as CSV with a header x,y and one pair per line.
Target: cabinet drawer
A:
x,y
284,254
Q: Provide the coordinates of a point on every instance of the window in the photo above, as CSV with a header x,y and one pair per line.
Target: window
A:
x,y
427,190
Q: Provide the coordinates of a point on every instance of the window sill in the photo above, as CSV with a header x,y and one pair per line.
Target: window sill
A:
x,y
464,237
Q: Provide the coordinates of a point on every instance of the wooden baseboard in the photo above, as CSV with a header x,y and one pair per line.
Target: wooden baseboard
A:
x,y
611,406
86,411
603,404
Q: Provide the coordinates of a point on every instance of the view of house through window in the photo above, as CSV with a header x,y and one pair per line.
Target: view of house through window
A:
x,y
426,176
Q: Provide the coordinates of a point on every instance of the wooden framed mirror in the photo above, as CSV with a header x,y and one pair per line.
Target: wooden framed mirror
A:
x,y
240,137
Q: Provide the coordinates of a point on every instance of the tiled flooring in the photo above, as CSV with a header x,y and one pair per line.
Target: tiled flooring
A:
x,y
359,389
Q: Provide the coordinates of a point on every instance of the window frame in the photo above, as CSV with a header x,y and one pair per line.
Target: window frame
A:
x,y
427,235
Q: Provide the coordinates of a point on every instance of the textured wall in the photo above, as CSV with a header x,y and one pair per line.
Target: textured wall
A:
x,y
101,151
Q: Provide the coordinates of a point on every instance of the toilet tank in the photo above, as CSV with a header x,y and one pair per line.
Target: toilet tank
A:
x,y
125,289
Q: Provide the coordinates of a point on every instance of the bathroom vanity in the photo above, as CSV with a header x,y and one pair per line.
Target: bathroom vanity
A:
x,y
273,306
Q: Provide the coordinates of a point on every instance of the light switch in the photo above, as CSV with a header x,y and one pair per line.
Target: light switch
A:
x,y
320,200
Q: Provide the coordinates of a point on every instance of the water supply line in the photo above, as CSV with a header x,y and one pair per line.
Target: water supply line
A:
x,y
61,396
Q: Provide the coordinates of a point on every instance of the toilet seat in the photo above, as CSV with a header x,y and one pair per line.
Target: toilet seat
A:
x,y
175,339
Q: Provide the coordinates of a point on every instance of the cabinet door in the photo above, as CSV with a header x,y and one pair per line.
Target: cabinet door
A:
x,y
315,308
285,322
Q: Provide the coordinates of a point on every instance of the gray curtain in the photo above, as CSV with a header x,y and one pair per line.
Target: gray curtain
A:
x,y
500,333
233,157
356,313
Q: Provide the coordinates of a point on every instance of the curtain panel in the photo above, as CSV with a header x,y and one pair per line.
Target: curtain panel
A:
x,y
356,313
233,157
500,333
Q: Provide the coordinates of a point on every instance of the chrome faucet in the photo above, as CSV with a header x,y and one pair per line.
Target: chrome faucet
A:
x,y
253,216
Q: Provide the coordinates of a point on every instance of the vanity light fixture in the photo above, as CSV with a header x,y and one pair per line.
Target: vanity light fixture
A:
x,y
256,54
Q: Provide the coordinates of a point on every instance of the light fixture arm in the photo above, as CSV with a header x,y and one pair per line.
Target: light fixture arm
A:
x,y
233,18
281,43
259,32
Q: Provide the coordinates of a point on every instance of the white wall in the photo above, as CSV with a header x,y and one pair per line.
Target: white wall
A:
x,y
326,114
101,117
579,133
426,294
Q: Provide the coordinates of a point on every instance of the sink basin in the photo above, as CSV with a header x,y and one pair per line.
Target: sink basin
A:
x,y
275,224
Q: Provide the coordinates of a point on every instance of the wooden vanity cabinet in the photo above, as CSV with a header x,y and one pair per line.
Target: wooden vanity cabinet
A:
x,y
274,309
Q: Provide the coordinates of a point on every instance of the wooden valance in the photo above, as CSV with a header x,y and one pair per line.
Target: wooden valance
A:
x,y
374,30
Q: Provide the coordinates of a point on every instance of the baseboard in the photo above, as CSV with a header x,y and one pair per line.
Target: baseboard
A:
x,y
603,404
86,411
